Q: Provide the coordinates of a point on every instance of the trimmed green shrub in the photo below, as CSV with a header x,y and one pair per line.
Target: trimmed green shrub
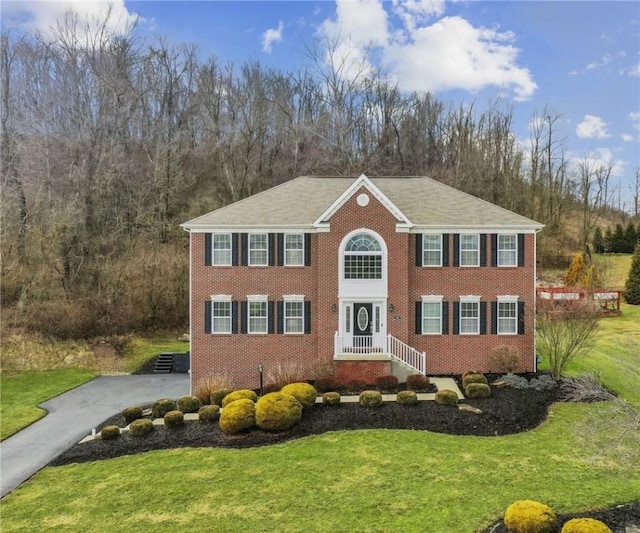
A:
x,y
303,392
325,385
387,383
528,516
218,395
473,377
585,525
370,398
407,397
131,413
189,404
162,407
240,394
477,390
174,419
209,413
417,382
141,427
446,397
278,411
331,398
110,433
238,416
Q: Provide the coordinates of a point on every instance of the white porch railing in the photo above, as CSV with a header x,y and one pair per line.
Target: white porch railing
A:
x,y
380,345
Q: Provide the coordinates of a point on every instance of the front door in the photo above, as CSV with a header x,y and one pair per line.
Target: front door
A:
x,y
362,324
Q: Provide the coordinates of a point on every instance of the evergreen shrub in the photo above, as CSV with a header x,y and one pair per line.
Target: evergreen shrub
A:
x,y
528,516
370,398
189,404
331,398
238,416
240,394
174,419
477,390
141,427
305,393
110,433
131,413
446,397
407,397
585,525
162,407
278,411
209,413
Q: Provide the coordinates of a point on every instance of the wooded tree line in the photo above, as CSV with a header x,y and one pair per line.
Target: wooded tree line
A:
x,y
619,240
109,143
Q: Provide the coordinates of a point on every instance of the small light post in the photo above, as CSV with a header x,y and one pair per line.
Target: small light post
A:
x,y
260,371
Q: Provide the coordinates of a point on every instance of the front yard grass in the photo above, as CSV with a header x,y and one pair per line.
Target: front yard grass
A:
x,y
22,392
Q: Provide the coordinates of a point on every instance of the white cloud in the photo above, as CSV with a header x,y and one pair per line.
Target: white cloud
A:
x,y
272,36
633,71
45,16
634,117
592,127
606,59
627,137
600,157
448,54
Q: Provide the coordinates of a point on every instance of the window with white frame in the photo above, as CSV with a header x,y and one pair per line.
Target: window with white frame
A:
x,y
431,250
431,315
221,249
221,314
293,314
294,249
257,314
469,250
507,250
258,249
507,315
363,257
469,316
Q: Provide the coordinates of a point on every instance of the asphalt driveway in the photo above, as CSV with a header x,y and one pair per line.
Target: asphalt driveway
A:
x,y
72,415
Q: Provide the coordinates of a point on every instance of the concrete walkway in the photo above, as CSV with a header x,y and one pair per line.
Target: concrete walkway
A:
x,y
73,415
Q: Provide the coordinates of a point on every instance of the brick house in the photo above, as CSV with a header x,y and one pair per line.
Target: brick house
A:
x,y
377,275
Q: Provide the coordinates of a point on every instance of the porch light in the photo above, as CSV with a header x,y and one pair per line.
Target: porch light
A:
x,y
334,307
392,308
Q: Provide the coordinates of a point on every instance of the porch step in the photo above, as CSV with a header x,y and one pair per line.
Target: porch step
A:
x,y
164,363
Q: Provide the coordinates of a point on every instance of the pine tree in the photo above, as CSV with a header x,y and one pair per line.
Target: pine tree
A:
x,y
608,241
630,238
632,287
598,241
617,244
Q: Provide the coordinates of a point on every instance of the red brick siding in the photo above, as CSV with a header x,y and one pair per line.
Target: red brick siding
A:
x,y
239,354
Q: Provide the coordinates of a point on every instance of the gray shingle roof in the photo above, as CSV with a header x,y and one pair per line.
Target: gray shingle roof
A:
x,y
299,203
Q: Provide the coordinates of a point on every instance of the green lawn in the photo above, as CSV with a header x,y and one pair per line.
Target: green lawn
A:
x,y
22,392
145,348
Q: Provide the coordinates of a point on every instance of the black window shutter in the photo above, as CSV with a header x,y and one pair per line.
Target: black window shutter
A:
x,y
456,249
520,318
270,317
445,318
456,318
243,316
280,249
207,316
244,249
445,249
307,317
483,318
280,313
234,316
483,249
418,318
307,249
234,249
207,249
520,249
494,250
494,318
418,249
271,245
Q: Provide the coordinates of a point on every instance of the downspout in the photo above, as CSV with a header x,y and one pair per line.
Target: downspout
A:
x,y
535,297
190,308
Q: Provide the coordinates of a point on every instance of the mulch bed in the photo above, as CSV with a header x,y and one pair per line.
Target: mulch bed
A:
x,y
507,411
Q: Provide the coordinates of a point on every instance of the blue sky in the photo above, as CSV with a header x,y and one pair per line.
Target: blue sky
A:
x,y
581,59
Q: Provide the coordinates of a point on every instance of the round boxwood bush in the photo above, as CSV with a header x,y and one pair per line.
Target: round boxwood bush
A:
x,y
218,395
189,404
528,516
331,398
303,392
141,427
209,413
278,411
473,377
110,433
585,525
162,407
477,390
131,413
174,419
446,397
238,416
240,394
407,397
370,398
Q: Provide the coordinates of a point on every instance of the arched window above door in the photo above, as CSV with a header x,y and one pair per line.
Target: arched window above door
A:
x,y
362,257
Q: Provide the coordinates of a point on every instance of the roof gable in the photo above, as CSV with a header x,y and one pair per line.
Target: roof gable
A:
x,y
362,181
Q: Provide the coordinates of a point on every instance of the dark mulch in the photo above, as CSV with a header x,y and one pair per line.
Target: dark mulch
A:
x,y
507,411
